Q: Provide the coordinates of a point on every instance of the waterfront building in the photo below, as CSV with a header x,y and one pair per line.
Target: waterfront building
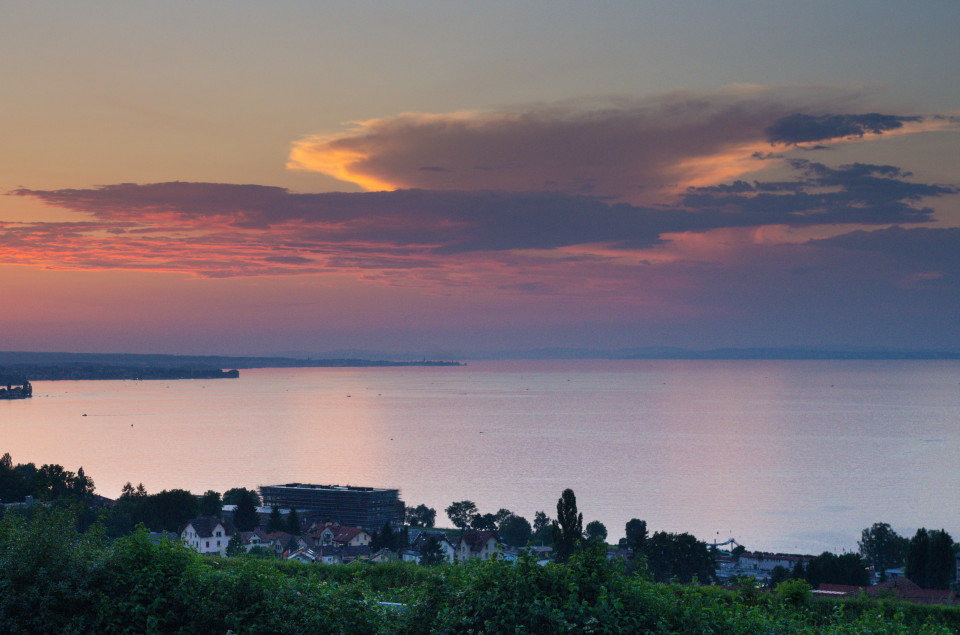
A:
x,y
367,507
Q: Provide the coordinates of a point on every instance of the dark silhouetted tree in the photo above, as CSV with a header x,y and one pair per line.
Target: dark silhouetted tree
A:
x,y
596,531
293,522
421,516
461,513
210,504
567,528
542,529
245,518
636,536
235,546
275,520
484,522
234,495
431,553
931,559
680,557
882,547
516,531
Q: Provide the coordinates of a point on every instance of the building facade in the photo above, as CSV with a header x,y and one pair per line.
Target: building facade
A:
x,y
367,507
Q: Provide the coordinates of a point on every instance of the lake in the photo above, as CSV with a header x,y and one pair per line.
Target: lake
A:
x,y
794,456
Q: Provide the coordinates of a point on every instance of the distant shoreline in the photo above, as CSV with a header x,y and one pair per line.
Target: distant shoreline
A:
x,y
87,366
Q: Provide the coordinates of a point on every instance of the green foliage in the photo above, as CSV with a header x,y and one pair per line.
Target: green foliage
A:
x,y
56,580
795,592
235,546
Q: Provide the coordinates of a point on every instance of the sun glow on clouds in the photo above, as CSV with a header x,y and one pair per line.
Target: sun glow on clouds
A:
x,y
563,212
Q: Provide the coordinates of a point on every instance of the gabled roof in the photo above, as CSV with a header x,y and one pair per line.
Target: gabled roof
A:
x,y
476,540
204,526
346,534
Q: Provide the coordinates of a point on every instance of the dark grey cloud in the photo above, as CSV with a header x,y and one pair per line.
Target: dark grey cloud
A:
x,y
855,193
807,128
425,222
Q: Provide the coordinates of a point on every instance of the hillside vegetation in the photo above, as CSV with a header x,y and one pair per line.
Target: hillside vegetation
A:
x,y
56,579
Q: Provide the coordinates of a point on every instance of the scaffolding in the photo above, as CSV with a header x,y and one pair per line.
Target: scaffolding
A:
x,y
367,507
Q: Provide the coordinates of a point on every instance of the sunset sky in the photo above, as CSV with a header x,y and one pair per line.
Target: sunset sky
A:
x,y
446,177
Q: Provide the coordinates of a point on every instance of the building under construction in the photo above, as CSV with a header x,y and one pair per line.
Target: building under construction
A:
x,y
367,507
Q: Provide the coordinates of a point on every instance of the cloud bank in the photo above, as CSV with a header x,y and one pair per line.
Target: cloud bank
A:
x,y
216,229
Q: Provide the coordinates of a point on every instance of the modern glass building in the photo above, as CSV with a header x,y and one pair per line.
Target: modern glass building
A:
x,y
367,507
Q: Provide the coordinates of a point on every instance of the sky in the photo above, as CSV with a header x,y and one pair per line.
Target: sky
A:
x,y
447,178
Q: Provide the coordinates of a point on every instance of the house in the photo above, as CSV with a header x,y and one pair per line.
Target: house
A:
x,y
478,545
349,555
207,534
384,555
306,556
419,538
334,534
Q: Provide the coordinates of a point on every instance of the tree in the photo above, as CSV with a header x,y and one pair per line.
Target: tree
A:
x,y
501,515
596,531
832,569
235,546
293,522
636,536
384,539
542,529
210,503
881,547
567,529
245,518
421,516
930,559
778,575
431,553
679,556
82,486
483,522
461,513
516,531
275,521
234,495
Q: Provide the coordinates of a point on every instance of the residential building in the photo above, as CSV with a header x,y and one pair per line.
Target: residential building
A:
x,y
207,534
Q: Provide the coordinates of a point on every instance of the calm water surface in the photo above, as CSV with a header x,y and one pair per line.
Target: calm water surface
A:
x,y
781,455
